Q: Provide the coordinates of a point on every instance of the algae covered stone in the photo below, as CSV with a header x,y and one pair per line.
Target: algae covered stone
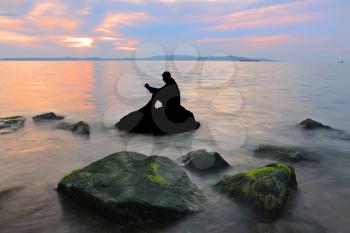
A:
x,y
11,124
310,124
286,153
131,187
203,161
50,116
80,128
265,188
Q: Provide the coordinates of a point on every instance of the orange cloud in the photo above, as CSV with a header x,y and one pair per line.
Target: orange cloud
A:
x,y
51,16
48,9
77,42
126,48
269,16
15,38
113,22
7,22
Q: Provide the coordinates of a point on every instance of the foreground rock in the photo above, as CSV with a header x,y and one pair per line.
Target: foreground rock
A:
x,y
286,154
80,128
131,187
310,124
11,124
267,188
47,117
203,161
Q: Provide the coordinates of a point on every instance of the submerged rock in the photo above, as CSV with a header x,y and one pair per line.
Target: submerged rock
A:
x,y
131,187
286,153
80,128
203,161
310,124
11,124
47,117
267,188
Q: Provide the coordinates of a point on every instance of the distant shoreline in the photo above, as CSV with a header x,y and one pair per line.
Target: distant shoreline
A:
x,y
153,58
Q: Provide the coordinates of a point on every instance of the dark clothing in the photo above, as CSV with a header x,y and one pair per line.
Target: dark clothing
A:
x,y
171,117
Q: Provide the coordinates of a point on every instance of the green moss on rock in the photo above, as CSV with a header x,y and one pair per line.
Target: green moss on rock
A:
x,y
265,188
132,187
202,161
11,124
310,124
155,177
286,153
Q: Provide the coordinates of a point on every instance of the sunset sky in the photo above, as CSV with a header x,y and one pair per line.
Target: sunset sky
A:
x,y
289,30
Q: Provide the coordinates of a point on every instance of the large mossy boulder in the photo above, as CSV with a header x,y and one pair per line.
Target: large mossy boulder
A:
x,y
131,187
50,116
202,161
267,188
11,124
80,128
286,153
310,124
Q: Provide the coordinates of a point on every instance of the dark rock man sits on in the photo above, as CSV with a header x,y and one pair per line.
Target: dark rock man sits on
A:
x,y
163,114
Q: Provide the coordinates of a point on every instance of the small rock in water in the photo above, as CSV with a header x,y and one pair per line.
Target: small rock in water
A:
x,y
286,153
47,117
310,124
11,124
266,189
80,128
132,187
203,161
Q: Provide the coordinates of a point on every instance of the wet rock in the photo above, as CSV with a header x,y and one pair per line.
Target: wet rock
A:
x,y
286,153
80,128
266,189
158,122
203,161
11,124
131,187
47,117
310,124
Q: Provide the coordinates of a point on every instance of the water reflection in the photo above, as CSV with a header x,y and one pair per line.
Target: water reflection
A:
x,y
41,86
275,96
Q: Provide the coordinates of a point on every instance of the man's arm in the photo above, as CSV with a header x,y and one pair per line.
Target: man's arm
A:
x,y
151,89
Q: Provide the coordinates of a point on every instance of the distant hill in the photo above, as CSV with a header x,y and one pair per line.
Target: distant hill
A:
x,y
152,58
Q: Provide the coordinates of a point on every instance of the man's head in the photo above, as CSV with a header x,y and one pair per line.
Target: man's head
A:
x,y
167,77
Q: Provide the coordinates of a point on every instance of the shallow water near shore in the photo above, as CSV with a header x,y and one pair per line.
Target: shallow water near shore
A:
x,y
240,105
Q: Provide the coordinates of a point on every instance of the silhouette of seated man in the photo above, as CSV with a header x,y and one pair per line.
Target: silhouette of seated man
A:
x,y
163,114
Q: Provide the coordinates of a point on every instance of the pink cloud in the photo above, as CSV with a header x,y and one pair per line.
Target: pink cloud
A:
x,y
114,21
268,16
255,42
16,38
7,22
126,48
52,16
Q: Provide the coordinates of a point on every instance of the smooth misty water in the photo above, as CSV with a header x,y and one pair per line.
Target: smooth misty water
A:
x,y
239,105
